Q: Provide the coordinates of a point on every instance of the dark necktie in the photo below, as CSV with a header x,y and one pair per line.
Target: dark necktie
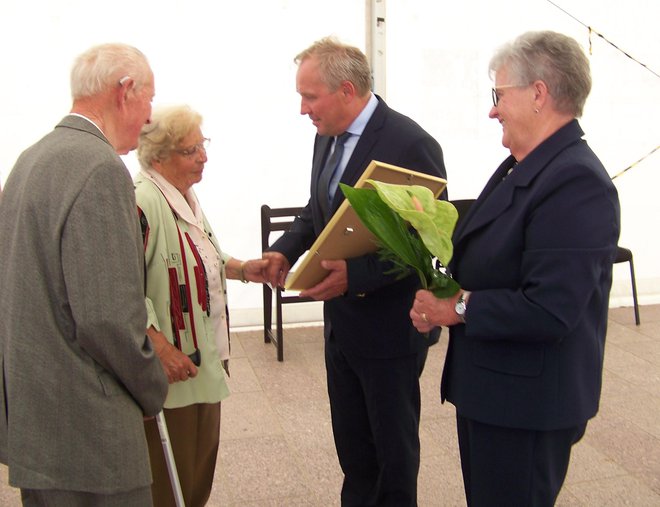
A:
x,y
329,169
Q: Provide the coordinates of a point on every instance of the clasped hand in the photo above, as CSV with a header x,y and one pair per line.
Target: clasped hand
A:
x,y
254,270
429,311
177,365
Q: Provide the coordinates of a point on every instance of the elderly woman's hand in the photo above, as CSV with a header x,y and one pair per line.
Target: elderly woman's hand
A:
x,y
255,270
278,268
178,366
429,311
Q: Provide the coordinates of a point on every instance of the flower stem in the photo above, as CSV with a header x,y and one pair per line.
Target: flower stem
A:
x,y
422,279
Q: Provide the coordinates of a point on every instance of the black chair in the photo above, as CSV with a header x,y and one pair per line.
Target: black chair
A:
x,y
273,220
462,206
625,255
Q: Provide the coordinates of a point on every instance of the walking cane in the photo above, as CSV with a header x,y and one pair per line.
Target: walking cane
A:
x,y
169,459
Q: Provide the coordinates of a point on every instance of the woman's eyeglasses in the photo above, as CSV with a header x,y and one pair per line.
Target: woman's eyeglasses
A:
x,y
495,92
191,151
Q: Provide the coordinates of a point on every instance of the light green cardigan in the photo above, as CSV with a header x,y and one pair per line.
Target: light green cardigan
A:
x,y
162,251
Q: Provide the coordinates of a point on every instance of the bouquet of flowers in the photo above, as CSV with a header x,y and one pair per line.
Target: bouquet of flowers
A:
x,y
413,230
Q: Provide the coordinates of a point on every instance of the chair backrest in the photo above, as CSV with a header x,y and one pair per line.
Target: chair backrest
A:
x,y
276,219
462,206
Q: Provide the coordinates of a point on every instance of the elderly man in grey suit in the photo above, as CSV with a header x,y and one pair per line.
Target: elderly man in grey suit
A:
x,y
78,373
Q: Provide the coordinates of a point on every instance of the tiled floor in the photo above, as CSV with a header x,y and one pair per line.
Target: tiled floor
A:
x,y
276,446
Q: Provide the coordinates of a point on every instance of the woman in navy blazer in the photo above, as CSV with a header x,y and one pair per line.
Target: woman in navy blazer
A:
x,y
534,259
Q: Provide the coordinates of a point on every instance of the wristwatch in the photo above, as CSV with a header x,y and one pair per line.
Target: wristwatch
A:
x,y
461,306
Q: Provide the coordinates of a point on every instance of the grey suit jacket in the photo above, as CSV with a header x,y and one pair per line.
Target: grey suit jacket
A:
x,y
78,371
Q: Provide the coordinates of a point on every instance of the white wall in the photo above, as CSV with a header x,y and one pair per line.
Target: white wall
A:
x,y
232,61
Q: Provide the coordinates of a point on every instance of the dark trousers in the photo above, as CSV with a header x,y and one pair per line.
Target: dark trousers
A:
x,y
513,467
195,436
375,407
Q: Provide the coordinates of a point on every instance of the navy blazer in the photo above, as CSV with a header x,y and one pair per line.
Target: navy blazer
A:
x,y
372,319
537,249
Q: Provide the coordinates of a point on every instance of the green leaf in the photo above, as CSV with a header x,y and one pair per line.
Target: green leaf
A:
x,y
443,286
391,231
388,211
434,220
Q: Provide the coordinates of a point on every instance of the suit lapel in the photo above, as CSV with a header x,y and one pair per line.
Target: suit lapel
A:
x,y
495,198
497,195
360,157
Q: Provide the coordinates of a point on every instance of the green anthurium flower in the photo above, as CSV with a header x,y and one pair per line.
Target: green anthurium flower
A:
x,y
433,220
389,211
390,230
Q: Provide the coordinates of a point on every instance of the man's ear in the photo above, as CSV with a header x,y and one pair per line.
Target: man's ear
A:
x,y
126,84
347,90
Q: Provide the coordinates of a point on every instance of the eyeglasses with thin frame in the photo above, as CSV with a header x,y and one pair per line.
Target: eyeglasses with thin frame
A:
x,y
191,151
495,94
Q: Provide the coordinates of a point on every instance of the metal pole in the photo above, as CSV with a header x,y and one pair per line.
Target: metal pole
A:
x,y
169,459
376,44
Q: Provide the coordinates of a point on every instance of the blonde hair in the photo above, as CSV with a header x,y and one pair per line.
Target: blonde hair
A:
x,y
339,62
169,126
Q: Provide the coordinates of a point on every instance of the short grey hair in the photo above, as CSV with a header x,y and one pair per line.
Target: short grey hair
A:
x,y
339,62
169,126
551,57
104,65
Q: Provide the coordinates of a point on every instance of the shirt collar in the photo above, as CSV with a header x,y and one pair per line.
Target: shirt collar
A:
x,y
357,127
90,121
187,207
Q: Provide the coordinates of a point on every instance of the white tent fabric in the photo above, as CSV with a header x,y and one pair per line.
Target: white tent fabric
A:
x,y
233,61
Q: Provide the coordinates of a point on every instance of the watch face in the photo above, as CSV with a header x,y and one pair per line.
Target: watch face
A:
x,y
460,306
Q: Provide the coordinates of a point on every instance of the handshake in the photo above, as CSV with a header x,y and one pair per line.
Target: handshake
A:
x,y
274,267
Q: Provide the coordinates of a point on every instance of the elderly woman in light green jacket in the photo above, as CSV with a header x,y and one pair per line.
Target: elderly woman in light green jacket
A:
x,y
186,299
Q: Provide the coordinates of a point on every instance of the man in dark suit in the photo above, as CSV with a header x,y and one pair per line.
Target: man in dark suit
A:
x,y
374,356
534,257
78,373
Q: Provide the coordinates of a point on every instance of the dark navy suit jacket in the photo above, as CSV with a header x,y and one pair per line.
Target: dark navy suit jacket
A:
x,y
372,319
537,250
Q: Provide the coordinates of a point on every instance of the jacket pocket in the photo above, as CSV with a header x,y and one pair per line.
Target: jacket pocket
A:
x,y
525,360
109,385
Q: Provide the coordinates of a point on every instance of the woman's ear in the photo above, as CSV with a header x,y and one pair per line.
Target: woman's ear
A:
x,y
540,94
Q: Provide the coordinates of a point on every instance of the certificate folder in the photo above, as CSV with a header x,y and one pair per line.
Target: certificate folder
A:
x,y
345,236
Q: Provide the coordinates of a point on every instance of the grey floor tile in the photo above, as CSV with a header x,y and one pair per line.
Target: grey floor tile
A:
x,y
254,470
625,490
242,378
248,415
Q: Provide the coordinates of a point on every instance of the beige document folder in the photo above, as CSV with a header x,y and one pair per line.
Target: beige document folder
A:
x,y
345,236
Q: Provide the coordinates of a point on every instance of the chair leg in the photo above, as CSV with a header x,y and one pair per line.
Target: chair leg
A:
x,y
280,330
268,313
634,292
